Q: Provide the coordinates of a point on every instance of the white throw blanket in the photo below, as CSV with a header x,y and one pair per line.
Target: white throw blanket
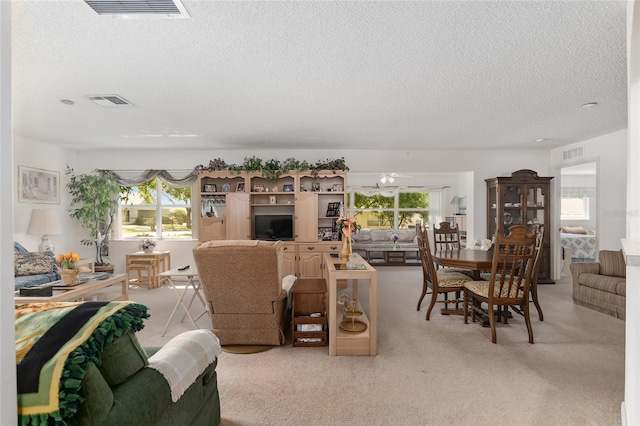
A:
x,y
287,284
184,358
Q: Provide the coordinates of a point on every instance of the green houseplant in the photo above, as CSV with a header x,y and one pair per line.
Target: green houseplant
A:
x,y
94,202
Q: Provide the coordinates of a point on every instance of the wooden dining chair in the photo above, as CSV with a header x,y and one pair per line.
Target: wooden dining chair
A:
x,y
510,281
446,237
441,281
539,230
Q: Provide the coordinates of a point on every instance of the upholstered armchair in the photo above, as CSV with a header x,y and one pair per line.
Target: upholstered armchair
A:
x,y
602,285
243,286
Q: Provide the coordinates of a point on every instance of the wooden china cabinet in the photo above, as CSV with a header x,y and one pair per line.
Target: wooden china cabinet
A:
x,y
522,198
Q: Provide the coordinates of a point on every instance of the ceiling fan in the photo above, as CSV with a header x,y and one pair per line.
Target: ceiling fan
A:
x,y
391,177
387,191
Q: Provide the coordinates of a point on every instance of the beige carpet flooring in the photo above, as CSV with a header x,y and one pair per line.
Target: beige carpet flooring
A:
x,y
438,372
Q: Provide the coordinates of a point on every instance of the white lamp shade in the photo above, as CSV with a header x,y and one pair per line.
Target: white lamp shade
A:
x,y
44,222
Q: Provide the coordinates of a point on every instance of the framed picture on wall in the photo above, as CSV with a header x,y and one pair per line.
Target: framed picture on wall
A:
x,y
38,186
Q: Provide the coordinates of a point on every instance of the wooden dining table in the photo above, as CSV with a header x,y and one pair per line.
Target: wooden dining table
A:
x,y
474,260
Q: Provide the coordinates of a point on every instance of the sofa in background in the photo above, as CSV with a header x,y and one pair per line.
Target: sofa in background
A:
x,y
601,286
368,238
33,268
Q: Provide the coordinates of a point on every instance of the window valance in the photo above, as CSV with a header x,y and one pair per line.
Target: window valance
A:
x,y
133,178
577,192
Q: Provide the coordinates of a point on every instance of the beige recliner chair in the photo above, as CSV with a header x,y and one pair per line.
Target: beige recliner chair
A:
x,y
243,285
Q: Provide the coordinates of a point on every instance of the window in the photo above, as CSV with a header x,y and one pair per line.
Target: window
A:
x,y
153,202
381,209
574,208
574,202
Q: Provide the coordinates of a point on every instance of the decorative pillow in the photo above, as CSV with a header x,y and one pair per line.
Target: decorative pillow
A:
x,y
573,230
33,263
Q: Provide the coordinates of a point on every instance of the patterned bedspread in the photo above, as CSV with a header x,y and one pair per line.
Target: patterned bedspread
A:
x,y
583,246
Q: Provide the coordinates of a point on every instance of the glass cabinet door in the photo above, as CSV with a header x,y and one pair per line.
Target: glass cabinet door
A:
x,y
492,219
512,206
536,205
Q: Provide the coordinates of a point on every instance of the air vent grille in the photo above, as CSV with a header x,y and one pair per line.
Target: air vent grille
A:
x,y
110,101
573,153
139,8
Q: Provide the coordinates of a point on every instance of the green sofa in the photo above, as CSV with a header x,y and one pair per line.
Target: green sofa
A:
x,y
124,390
80,363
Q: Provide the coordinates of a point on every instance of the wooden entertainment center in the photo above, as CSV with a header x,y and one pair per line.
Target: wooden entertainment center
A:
x,y
230,204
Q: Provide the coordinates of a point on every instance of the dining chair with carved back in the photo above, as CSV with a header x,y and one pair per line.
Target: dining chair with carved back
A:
x,y
441,281
446,237
539,230
510,281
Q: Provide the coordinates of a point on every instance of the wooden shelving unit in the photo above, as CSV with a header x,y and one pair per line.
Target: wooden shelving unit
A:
x,y
227,203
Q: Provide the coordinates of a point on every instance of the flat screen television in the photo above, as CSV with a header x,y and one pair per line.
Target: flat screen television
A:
x,y
273,226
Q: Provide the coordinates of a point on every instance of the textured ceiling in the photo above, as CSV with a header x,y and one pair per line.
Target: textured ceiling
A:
x,y
322,75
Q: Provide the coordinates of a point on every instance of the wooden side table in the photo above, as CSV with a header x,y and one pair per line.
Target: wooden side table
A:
x,y
152,263
309,312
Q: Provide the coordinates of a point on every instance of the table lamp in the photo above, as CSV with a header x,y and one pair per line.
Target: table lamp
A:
x,y
44,222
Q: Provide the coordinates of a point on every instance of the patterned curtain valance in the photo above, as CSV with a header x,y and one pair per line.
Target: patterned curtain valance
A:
x,y
577,192
127,178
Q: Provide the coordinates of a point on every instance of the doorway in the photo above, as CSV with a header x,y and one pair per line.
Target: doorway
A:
x,y
578,214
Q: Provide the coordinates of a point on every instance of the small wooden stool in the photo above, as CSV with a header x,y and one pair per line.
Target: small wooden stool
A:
x,y
139,268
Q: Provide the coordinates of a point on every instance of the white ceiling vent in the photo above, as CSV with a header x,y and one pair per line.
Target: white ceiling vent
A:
x,y
139,9
573,153
110,101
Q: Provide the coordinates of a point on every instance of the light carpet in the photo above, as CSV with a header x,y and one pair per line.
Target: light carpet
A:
x,y
437,372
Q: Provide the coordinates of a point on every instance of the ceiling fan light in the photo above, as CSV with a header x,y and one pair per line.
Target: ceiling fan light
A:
x,y
391,179
383,179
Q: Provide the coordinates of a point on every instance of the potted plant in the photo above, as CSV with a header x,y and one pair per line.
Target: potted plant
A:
x,y
94,202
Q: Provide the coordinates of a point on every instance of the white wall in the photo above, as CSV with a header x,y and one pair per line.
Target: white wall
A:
x,y
630,407
42,155
8,402
609,152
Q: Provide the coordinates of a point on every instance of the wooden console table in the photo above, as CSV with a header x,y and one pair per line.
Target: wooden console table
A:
x,y
343,342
